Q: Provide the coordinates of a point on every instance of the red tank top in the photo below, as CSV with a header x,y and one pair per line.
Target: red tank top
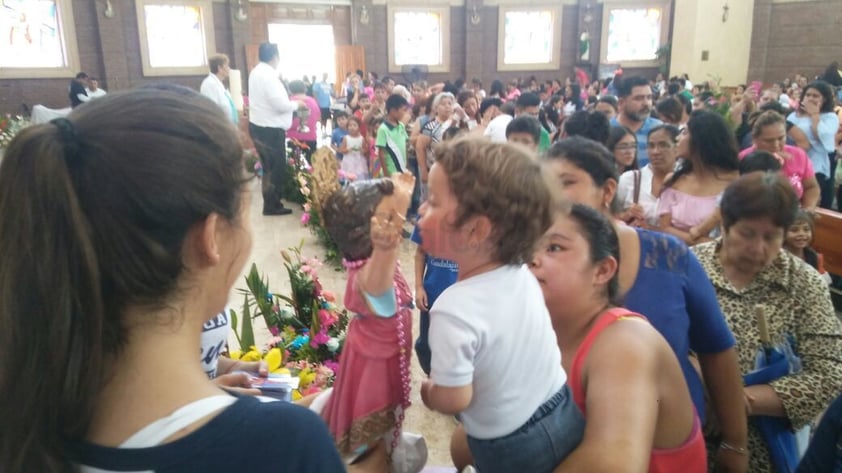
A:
x,y
689,457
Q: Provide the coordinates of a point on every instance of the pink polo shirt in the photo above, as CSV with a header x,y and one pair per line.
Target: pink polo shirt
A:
x,y
796,167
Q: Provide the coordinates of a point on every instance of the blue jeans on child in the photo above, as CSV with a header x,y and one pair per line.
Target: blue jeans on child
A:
x,y
539,445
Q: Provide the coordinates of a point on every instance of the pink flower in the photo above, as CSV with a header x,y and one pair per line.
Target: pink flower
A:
x,y
274,331
305,218
342,175
312,389
332,365
326,318
306,269
307,207
320,338
329,296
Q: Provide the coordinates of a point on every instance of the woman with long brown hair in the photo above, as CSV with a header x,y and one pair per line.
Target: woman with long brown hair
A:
x,y
124,227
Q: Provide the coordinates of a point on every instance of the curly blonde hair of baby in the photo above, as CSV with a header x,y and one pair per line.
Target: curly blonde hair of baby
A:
x,y
506,184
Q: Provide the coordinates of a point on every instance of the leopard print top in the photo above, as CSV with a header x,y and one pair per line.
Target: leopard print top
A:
x,y
797,303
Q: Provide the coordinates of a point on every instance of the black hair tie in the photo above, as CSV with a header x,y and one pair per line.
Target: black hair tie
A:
x,y
68,137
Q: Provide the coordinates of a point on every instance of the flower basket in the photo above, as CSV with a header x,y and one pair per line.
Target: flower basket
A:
x,y
307,326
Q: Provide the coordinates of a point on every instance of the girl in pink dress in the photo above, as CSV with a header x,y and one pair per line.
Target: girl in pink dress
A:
x,y
371,392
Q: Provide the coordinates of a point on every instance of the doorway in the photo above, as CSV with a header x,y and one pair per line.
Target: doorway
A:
x,y
305,50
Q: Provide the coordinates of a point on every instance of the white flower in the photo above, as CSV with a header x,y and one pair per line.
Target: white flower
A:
x,y
333,344
286,312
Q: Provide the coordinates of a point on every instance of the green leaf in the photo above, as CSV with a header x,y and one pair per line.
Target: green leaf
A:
x,y
236,328
247,334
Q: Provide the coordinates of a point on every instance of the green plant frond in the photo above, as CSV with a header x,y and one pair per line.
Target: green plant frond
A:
x,y
247,330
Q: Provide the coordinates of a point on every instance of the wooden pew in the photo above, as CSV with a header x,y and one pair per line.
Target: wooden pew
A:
x,y
828,241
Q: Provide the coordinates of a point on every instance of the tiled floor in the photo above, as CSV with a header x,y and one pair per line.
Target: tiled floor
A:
x,y
270,236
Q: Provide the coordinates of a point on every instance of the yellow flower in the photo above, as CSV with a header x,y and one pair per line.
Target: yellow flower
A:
x,y
235,354
296,394
252,355
274,359
306,377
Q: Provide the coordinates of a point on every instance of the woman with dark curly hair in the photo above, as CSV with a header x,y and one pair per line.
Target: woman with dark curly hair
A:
x,y
710,163
660,278
815,117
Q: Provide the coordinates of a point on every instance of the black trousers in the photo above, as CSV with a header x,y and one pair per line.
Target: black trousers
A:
x,y
271,147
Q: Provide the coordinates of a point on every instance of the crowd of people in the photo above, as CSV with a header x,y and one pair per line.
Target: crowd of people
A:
x,y
650,262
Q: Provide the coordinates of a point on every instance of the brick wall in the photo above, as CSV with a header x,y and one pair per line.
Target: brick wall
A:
x,y
795,37
786,38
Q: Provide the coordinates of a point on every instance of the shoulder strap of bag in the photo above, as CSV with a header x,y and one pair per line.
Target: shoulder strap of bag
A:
x,y
158,431
637,178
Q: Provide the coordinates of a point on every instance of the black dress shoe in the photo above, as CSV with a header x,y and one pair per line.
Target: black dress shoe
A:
x,y
277,211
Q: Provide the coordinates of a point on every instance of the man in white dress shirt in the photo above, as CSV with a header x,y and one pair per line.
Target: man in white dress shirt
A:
x,y
92,90
213,88
270,115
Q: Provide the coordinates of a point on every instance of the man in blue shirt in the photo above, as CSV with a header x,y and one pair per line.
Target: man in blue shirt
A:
x,y
635,109
322,92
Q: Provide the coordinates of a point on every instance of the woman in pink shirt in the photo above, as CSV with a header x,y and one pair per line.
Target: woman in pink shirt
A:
x,y
298,90
769,134
690,196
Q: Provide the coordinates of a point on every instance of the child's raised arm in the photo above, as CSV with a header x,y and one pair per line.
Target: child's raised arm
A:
x,y
376,278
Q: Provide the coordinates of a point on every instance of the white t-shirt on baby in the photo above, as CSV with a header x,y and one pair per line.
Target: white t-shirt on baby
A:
x,y
494,331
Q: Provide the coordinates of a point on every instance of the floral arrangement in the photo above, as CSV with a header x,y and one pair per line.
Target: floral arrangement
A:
x,y
9,127
312,219
296,166
308,329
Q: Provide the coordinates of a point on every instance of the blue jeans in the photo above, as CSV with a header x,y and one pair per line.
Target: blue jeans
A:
x,y
824,455
422,345
539,445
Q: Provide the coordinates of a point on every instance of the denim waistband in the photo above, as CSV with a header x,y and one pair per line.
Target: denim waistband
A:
x,y
546,408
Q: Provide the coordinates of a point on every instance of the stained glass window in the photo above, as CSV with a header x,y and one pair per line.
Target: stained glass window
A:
x,y
34,41
528,37
634,34
174,35
419,36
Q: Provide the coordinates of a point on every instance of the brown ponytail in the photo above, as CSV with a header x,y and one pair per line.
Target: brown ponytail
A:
x,y
94,215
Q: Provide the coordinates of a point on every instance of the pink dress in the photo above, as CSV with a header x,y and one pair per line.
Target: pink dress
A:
x,y
796,168
687,210
373,379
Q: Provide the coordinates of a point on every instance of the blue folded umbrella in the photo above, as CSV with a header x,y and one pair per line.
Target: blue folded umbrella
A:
x,y
774,362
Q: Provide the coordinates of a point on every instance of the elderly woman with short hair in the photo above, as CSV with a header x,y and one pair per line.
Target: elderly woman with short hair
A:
x,y
748,267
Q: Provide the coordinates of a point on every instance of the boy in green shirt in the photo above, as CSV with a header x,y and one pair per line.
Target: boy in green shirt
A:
x,y
392,137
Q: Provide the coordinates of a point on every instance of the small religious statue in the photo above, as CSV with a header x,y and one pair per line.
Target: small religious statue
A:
x,y
585,46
